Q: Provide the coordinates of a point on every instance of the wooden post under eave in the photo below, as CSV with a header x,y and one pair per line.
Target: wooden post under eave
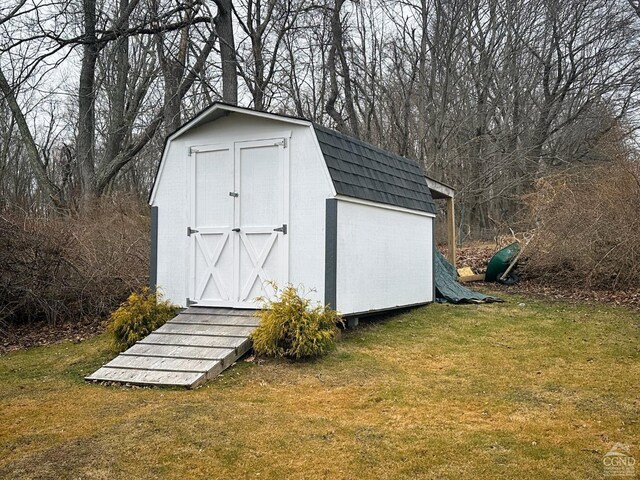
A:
x,y
451,230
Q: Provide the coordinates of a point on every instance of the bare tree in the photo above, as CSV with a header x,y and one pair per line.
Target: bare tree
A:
x,y
337,57
102,37
487,95
33,154
265,24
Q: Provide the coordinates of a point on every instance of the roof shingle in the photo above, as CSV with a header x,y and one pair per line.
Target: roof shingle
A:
x,y
363,171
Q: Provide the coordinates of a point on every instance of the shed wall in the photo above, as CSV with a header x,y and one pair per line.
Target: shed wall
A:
x,y
173,214
309,186
384,258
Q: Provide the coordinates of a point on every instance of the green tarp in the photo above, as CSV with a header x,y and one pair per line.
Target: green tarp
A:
x,y
449,290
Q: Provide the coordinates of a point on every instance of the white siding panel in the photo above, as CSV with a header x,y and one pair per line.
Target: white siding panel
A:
x,y
173,218
384,258
310,188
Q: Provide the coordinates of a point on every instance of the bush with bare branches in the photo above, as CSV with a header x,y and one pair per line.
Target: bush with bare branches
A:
x,y
70,267
588,227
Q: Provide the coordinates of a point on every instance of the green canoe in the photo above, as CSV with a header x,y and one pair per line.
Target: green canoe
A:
x,y
501,261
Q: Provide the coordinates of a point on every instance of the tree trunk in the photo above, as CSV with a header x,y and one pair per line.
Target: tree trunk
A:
x,y
336,52
86,105
117,124
173,66
224,27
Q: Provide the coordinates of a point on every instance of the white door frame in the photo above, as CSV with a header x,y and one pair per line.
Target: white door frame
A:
x,y
231,238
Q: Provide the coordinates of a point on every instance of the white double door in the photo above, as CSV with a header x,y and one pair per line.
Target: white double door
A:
x,y
238,231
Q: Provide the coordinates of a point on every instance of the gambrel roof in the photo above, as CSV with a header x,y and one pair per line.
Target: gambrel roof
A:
x,y
357,169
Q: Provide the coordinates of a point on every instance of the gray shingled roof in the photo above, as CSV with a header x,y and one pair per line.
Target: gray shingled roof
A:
x,y
363,171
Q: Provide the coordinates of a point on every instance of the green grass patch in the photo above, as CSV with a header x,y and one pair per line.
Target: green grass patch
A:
x,y
541,390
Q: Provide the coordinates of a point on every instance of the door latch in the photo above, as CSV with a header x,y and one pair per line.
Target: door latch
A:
x,y
235,229
190,231
233,194
282,229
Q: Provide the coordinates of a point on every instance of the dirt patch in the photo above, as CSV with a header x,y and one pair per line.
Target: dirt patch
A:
x,y
37,334
630,298
477,254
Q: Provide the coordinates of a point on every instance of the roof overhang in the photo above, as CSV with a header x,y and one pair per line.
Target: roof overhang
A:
x,y
440,190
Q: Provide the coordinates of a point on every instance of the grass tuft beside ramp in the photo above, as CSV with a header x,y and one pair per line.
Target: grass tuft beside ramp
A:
x,y
540,390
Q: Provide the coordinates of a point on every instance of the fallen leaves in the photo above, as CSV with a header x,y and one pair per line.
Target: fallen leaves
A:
x,y
630,298
18,337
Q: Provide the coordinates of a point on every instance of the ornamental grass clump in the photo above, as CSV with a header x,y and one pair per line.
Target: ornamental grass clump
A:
x,y
292,326
136,318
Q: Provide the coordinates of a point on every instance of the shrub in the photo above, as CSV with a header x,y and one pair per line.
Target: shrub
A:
x,y
72,267
291,326
136,318
587,228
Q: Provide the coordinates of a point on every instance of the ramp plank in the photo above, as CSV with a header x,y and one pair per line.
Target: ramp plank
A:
x,y
219,311
215,330
215,320
148,377
166,364
193,340
179,351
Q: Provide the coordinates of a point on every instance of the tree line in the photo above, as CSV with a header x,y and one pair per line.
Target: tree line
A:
x,y
488,95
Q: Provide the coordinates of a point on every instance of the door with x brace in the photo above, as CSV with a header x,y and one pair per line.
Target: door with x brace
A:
x,y
239,212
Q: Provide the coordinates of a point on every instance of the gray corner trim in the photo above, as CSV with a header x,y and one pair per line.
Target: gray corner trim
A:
x,y
433,259
330,252
153,257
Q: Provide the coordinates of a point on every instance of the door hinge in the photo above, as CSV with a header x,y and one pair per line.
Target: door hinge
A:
x,y
282,143
190,231
191,151
282,229
190,302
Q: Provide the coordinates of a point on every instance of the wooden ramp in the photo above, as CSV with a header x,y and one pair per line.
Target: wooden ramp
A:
x,y
188,350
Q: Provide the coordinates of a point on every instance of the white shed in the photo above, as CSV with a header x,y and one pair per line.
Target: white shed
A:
x,y
242,197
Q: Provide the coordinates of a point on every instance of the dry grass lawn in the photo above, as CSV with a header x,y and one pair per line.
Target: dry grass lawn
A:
x,y
479,392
